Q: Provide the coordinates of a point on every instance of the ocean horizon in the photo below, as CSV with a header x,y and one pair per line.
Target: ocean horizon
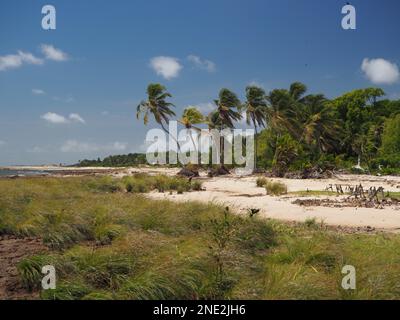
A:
x,y
8,172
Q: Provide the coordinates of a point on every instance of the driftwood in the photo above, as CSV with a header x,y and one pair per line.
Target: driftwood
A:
x,y
358,194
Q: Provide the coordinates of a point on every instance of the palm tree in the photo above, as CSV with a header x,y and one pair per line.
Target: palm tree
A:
x,y
157,105
297,91
282,113
321,128
190,117
228,106
256,111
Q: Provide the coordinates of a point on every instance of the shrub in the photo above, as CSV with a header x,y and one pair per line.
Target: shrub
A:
x,y
104,184
287,150
30,271
311,222
255,234
261,182
325,260
276,188
391,137
196,185
66,291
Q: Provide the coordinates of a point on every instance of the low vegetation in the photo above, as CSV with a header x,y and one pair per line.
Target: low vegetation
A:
x,y
274,188
107,243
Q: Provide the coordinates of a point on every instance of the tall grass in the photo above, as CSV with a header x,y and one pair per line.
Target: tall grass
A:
x,y
107,243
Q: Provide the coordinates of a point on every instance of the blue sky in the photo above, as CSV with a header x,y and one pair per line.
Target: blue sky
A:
x,y
71,93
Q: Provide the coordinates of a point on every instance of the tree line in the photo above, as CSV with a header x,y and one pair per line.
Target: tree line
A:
x,y
296,130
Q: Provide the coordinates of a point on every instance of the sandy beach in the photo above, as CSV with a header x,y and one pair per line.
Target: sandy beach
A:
x,y
241,194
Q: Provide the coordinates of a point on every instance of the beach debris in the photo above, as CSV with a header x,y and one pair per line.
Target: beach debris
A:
x,y
219,171
358,197
253,211
310,173
189,171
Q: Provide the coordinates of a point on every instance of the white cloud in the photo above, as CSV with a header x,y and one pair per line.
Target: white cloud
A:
x,y
380,71
60,119
54,118
2,143
202,64
38,92
243,121
17,60
205,108
105,113
76,117
52,53
84,147
166,67
256,83
12,61
29,58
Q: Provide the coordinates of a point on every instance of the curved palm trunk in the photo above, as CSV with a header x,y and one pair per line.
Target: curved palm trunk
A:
x,y
169,134
255,144
221,151
194,145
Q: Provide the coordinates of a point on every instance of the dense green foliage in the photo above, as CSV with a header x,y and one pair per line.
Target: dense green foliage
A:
x,y
119,245
131,159
305,131
300,131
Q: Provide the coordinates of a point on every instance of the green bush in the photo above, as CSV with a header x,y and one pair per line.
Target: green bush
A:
x,y
30,271
104,184
67,291
196,185
261,182
255,235
276,188
391,137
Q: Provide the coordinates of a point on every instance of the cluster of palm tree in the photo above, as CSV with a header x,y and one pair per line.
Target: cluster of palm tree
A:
x,y
308,119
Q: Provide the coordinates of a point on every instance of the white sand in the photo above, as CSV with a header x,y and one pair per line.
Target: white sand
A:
x,y
242,194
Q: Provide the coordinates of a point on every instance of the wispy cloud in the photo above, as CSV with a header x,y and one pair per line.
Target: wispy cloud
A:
x,y
55,118
255,83
52,53
13,61
206,107
38,92
380,71
202,63
167,67
74,146
2,143
76,117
